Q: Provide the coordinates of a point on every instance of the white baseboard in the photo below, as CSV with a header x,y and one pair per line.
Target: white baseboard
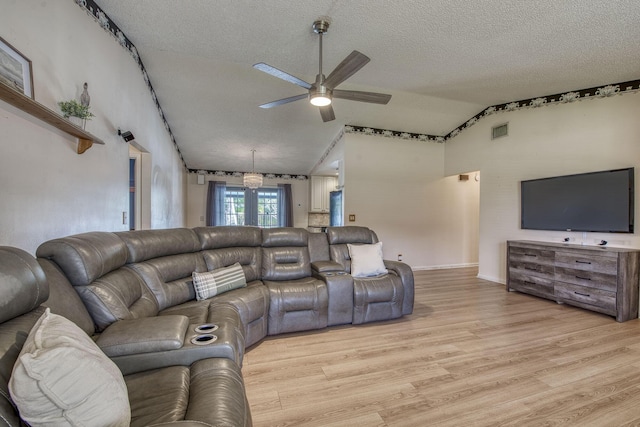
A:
x,y
445,266
492,279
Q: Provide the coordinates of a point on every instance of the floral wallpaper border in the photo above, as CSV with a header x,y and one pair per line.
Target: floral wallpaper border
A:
x,y
108,25
237,174
560,98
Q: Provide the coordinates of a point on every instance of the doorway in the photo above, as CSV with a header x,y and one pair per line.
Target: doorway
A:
x,y
139,188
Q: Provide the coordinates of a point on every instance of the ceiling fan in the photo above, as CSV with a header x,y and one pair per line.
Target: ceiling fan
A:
x,y
324,89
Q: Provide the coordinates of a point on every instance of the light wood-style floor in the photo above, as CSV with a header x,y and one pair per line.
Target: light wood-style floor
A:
x,y
471,354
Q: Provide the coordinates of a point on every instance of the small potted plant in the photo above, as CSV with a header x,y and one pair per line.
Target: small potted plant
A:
x,y
74,109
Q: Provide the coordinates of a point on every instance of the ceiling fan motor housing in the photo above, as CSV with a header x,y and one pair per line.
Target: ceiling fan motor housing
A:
x,y
321,26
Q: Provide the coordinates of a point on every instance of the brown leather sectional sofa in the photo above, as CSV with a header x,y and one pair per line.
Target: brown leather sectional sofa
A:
x,y
180,357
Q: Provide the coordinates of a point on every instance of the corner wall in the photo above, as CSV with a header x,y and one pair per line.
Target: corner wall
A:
x,y
583,136
46,189
398,189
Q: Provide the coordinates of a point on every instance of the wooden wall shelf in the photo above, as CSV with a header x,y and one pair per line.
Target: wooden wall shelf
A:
x,y
35,109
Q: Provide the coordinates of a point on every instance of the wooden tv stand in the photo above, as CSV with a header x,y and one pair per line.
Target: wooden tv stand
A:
x,y
592,277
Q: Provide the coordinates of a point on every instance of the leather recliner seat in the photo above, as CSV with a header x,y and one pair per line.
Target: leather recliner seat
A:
x,y
297,300
207,392
380,297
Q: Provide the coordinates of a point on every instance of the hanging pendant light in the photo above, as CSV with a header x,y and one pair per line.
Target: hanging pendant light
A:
x,y
252,180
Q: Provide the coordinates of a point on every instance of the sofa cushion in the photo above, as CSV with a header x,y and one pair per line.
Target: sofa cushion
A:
x,y
62,377
212,283
169,277
226,236
23,283
118,295
158,396
85,257
63,298
285,263
250,258
148,244
210,393
366,260
350,234
287,236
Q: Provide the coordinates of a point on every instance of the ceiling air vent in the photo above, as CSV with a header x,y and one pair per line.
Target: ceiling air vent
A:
x,y
500,130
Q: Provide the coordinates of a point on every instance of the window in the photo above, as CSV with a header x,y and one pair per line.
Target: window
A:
x,y
234,206
267,211
251,207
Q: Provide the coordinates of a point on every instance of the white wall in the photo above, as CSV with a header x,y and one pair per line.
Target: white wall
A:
x,y
46,189
398,188
197,198
584,136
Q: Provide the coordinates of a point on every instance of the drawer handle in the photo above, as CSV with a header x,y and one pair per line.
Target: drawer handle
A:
x,y
578,293
583,262
531,268
583,278
531,255
529,283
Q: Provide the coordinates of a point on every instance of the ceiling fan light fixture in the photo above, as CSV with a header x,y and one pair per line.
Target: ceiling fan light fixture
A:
x,y
320,100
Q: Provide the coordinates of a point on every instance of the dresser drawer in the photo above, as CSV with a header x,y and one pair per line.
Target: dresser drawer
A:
x,y
531,284
596,299
590,279
531,255
587,262
538,270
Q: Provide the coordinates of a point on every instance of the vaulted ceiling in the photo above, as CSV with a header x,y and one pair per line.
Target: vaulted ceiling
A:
x,y
442,61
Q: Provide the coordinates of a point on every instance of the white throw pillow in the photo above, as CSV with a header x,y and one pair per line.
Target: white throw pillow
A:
x,y
221,280
62,378
366,260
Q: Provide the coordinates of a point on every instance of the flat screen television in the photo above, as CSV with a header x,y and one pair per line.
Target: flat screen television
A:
x,y
597,201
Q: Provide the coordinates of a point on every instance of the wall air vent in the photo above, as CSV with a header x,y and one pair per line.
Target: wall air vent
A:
x,y
500,131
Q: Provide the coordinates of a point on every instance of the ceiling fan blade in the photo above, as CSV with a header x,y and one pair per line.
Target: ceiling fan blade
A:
x,y
284,101
327,113
355,95
348,67
281,74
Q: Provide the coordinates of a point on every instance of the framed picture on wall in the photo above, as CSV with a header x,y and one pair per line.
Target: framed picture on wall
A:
x,y
15,69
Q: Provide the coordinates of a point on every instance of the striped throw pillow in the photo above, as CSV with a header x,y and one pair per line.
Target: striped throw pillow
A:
x,y
215,282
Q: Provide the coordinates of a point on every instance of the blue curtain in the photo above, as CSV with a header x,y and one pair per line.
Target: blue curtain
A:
x,y
285,205
215,203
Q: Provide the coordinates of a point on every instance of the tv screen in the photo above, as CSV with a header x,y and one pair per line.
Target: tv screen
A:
x,y
597,201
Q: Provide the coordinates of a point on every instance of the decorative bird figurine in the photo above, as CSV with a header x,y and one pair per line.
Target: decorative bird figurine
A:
x,y
85,99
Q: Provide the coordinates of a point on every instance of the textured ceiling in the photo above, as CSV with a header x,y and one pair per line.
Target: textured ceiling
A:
x,y
443,61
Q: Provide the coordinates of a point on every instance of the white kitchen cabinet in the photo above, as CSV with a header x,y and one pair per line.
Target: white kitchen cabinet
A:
x,y
321,186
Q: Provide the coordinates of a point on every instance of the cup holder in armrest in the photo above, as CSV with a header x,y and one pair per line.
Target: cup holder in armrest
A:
x,y
203,339
206,328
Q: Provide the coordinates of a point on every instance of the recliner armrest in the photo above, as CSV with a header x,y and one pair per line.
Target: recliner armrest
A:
x,y
406,275
326,266
145,335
